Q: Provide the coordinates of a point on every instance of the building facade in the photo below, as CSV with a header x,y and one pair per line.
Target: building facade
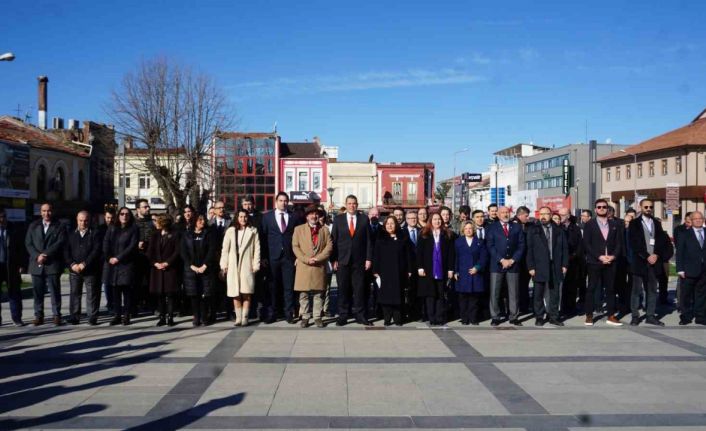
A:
x,y
304,172
556,186
670,169
408,185
353,178
246,164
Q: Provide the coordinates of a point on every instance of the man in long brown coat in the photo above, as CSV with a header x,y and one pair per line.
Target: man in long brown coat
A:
x,y
312,247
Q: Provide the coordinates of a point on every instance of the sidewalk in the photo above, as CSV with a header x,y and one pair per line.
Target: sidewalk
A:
x,y
282,377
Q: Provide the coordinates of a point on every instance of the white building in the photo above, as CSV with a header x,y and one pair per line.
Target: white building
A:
x,y
352,178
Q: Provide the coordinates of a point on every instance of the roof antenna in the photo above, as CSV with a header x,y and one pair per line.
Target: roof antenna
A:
x,y
274,128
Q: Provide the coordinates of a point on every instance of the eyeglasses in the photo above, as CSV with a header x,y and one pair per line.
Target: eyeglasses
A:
x,y
601,207
645,207
124,214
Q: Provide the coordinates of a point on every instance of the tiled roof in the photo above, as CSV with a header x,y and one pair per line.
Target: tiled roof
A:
x,y
15,130
300,150
691,135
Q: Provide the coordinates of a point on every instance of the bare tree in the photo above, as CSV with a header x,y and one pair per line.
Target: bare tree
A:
x,y
173,115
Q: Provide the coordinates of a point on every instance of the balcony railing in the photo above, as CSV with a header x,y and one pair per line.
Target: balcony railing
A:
x,y
409,202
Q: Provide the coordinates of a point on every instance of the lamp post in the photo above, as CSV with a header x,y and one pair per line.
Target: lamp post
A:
x,y
453,182
8,56
634,175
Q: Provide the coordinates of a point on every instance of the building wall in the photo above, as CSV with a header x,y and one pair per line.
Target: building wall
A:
x,y
353,178
52,162
402,185
304,175
586,187
691,180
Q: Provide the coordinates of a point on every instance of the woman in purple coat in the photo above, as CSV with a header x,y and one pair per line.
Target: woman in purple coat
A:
x,y
471,263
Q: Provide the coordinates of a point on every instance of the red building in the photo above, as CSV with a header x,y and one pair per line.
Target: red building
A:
x,y
303,172
408,185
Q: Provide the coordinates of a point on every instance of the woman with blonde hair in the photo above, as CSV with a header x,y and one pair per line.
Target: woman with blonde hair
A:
x,y
240,260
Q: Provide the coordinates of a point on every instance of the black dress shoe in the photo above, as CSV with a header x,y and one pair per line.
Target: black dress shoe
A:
x,y
494,322
341,322
93,321
162,321
116,321
364,322
539,322
73,321
555,322
683,322
170,321
634,321
652,320
474,323
516,322
126,321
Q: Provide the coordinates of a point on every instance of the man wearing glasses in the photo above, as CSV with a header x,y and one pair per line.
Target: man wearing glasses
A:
x,y
650,248
603,245
219,223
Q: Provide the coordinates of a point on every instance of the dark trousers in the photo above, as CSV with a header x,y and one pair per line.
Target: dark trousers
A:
x,y
546,298
623,286
203,309
663,281
468,306
392,312
648,284
40,285
570,288
122,300
14,293
600,277
281,286
93,295
436,304
108,292
412,305
692,299
523,289
351,285
496,284
165,304
140,297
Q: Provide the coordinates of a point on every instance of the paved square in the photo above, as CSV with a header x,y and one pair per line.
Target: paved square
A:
x,y
283,377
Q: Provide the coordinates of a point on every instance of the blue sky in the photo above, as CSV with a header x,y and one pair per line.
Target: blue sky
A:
x,y
404,80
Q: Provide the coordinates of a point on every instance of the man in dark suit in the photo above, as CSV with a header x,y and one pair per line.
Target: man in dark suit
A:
x,y
277,230
603,245
410,232
45,241
547,263
691,268
351,257
505,242
650,247
678,233
522,216
12,258
575,275
82,256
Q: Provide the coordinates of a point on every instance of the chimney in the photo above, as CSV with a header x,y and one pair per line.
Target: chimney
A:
x,y
42,103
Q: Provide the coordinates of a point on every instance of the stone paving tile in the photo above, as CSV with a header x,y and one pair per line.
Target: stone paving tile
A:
x,y
311,390
630,387
618,342
268,344
629,428
696,337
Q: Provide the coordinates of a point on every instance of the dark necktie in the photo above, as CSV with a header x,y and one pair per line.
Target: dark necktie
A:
x,y
282,223
505,229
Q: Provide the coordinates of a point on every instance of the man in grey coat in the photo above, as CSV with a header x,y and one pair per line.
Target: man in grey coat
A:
x,y
45,240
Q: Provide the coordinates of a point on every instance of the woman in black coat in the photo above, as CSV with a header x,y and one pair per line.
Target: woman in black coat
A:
x,y
163,252
119,249
435,265
391,262
198,253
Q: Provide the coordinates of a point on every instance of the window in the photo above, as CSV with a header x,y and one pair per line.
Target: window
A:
x,y
651,169
639,170
125,181
143,181
59,183
677,165
397,191
411,192
617,173
289,181
607,175
664,166
628,172
316,181
303,181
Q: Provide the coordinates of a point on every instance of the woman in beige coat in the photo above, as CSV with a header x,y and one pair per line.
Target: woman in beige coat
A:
x,y
312,246
240,260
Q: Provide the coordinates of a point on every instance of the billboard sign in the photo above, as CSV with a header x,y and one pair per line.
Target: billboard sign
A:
x,y
14,170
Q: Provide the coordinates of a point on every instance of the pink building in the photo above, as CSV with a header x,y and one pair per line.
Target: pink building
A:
x,y
303,172
409,185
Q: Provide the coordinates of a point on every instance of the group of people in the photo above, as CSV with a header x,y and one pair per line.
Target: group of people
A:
x,y
414,265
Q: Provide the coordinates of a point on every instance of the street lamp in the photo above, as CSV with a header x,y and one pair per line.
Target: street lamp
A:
x,y
634,175
453,182
8,56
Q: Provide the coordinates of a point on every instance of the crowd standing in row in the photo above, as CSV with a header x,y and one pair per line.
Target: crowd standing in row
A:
x,y
416,265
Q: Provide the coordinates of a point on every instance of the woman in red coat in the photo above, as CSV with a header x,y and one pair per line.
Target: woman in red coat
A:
x,y
163,252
